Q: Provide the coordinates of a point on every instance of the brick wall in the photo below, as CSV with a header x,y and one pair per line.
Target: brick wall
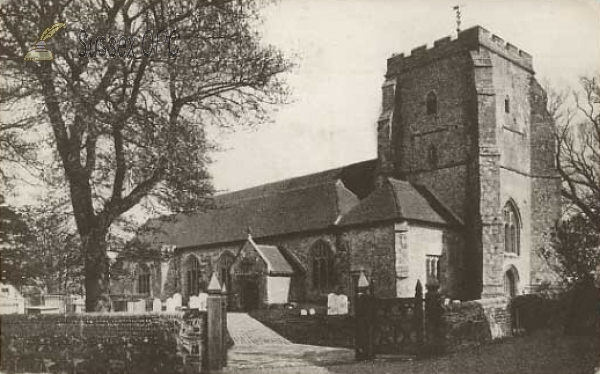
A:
x,y
114,343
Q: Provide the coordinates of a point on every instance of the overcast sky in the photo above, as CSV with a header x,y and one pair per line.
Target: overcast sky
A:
x,y
342,46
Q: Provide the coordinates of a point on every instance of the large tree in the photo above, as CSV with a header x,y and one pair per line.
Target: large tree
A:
x,y
577,115
131,128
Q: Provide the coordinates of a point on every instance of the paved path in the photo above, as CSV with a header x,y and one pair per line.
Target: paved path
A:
x,y
245,330
258,347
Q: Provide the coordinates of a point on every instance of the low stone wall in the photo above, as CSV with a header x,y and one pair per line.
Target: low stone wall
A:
x,y
320,329
92,343
475,322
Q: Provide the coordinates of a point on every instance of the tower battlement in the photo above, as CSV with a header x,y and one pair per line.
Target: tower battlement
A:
x,y
470,39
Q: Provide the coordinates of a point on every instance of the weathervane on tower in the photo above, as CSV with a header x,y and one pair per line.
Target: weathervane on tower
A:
x,y
456,9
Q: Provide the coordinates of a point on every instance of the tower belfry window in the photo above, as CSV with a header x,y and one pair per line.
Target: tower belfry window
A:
x,y
431,103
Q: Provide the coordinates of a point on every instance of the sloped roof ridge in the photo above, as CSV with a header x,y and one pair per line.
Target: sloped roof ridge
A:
x,y
279,192
288,180
259,248
397,206
441,204
408,201
306,180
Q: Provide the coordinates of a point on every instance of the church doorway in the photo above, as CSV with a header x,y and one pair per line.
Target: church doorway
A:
x,y
511,282
249,293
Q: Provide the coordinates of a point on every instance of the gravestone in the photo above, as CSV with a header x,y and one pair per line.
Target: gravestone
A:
x,y
171,304
136,306
157,305
194,302
312,311
303,312
332,304
177,299
342,304
202,299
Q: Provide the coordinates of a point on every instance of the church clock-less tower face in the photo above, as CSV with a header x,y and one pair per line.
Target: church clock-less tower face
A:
x,y
467,119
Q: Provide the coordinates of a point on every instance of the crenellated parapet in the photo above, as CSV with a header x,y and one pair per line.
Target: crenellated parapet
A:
x,y
467,40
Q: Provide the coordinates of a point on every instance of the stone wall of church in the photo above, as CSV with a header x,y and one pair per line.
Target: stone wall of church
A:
x,y
528,174
546,184
427,252
208,259
434,148
124,279
439,150
299,246
490,140
371,249
516,187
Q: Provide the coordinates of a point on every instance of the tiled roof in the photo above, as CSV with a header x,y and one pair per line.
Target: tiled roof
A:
x,y
276,263
306,203
399,200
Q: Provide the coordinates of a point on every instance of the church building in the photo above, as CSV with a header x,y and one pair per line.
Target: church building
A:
x,y
464,193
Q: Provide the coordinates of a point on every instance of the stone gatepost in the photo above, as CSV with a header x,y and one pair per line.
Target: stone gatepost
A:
x,y
364,349
434,337
217,317
192,338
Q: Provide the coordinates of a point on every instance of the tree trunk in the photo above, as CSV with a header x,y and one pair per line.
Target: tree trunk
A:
x,y
96,271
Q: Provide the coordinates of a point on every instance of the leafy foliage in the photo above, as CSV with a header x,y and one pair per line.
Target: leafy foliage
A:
x,y
15,237
575,249
39,247
133,131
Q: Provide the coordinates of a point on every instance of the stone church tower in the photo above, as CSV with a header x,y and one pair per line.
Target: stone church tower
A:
x,y
467,119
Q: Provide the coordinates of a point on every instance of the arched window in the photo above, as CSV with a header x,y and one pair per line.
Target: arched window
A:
x,y
431,103
511,282
225,263
506,104
512,229
322,269
432,264
143,279
192,275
